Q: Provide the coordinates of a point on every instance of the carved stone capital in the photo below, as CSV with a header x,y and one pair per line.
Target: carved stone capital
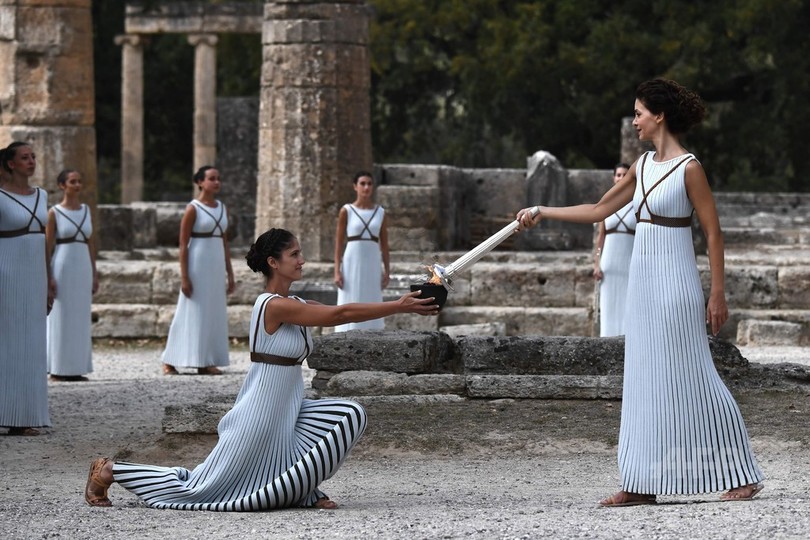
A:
x,y
132,40
203,39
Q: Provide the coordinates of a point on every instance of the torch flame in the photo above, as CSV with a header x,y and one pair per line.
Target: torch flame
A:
x,y
434,279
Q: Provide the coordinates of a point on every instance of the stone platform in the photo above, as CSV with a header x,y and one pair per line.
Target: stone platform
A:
x,y
506,293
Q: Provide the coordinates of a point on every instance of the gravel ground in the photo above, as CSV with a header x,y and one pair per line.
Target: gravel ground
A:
x,y
425,469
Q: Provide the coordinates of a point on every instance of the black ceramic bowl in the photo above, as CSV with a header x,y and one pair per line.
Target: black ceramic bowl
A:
x,y
429,289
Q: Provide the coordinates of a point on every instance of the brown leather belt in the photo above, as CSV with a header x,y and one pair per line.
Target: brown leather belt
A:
x,y
19,232
356,238
69,241
613,231
205,235
273,359
668,221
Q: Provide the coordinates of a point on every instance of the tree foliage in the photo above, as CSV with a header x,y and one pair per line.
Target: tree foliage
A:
x,y
485,83
488,82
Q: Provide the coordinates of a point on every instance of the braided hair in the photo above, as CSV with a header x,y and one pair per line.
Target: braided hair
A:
x,y
682,108
271,243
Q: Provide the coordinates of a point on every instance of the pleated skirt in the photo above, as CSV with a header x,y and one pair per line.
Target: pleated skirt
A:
x,y
69,336
681,430
615,266
23,313
362,281
274,450
198,335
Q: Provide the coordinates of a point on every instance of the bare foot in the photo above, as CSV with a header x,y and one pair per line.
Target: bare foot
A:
x,y
626,498
325,503
169,370
742,493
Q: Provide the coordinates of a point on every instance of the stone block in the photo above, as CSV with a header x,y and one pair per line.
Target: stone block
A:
x,y
536,355
239,321
412,323
384,350
124,282
545,386
523,321
748,286
410,206
125,321
166,283
385,383
759,333
522,285
481,329
794,287
496,192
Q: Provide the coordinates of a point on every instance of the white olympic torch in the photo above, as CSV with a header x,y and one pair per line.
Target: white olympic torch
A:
x,y
445,274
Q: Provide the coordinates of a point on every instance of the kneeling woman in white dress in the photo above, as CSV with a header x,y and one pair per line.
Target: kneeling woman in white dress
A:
x,y
69,237
275,447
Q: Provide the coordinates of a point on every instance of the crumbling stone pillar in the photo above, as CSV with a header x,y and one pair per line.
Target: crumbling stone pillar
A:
x,y
46,87
131,117
314,122
205,98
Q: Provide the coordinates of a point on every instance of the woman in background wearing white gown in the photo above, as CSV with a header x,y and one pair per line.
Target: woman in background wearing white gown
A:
x,y
362,266
611,263
198,336
69,237
25,294
681,430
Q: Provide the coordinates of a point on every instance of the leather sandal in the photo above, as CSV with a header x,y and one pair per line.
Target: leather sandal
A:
x,y
95,492
210,370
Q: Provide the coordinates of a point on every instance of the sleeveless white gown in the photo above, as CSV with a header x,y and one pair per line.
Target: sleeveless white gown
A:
x,y
23,311
615,265
69,336
361,266
681,430
198,335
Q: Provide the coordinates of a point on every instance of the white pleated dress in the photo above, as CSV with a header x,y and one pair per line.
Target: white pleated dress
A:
x,y
23,310
361,266
614,262
69,339
274,447
681,430
198,335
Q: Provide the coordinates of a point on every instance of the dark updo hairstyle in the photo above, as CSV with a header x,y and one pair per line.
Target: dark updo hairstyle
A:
x,y
621,165
9,153
63,176
361,174
271,243
682,108
199,176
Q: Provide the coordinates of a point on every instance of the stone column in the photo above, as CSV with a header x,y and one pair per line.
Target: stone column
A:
x,y
131,117
205,96
46,88
314,119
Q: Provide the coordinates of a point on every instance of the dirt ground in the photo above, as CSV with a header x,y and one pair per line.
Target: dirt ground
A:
x,y
426,468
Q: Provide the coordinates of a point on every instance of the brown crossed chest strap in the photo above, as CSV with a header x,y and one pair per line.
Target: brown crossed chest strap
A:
x,y
627,229
25,230
217,222
655,219
264,358
75,237
366,225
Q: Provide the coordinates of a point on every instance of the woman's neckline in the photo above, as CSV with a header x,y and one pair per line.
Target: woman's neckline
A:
x,y
216,203
69,208
32,188
655,154
372,207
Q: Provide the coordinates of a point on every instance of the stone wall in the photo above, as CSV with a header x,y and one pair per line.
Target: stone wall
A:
x,y
538,367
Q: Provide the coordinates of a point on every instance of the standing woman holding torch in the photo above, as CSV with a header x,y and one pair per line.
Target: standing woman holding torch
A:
x,y
681,430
